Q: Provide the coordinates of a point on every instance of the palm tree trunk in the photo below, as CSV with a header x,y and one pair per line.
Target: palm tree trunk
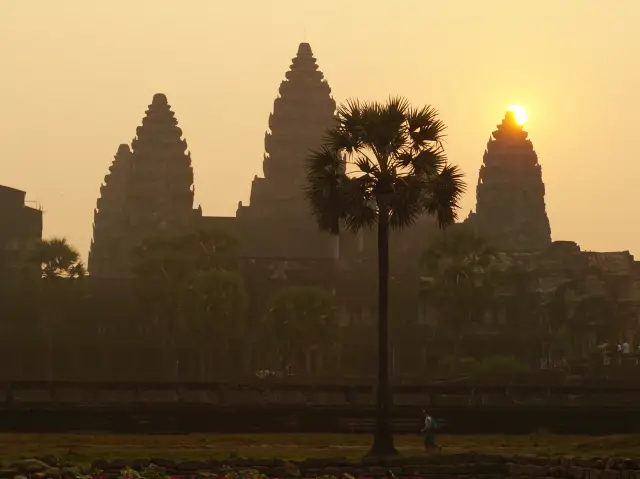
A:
x,y
383,439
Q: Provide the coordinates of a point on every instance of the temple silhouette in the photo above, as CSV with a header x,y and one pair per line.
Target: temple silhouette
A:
x,y
149,190
149,193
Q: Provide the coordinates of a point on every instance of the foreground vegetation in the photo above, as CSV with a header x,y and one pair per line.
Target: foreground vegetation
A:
x,y
84,448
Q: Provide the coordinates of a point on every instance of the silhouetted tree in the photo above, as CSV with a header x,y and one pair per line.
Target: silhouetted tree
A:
x,y
219,297
173,259
192,289
383,164
457,280
57,259
300,318
166,268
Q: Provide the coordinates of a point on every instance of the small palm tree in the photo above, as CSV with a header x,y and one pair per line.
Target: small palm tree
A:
x,y
383,164
57,259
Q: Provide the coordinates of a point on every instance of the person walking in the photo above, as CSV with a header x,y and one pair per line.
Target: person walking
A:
x,y
429,431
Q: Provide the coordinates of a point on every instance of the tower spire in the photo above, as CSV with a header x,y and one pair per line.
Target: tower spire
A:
x,y
148,192
278,215
510,207
301,114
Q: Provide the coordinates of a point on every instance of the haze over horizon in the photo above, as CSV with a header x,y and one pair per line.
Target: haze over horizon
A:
x,y
78,78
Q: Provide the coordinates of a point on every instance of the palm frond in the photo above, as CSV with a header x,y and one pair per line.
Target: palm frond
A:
x,y
359,206
385,130
78,270
365,165
406,202
325,179
395,117
325,162
349,134
427,162
342,139
425,127
350,114
398,158
443,195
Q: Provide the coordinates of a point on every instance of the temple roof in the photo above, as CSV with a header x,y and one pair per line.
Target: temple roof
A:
x,y
159,99
510,129
123,148
159,128
304,49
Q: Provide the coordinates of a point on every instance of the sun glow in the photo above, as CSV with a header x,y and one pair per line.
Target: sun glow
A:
x,y
519,113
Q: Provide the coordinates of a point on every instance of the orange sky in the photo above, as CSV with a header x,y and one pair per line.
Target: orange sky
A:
x,y
78,75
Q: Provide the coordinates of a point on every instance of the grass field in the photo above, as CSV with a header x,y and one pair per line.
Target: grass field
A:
x,y
83,448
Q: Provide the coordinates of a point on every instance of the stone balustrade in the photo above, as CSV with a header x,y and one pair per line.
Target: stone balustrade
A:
x,y
305,394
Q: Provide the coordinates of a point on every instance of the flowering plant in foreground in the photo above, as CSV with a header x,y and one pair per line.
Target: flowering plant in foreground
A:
x,y
154,472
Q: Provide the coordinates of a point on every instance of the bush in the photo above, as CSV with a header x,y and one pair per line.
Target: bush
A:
x,y
452,364
499,367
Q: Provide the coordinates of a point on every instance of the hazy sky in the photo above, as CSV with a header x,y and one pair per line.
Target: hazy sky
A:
x,y
77,76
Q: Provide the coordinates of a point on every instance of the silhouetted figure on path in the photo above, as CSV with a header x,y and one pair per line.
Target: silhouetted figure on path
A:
x,y
429,431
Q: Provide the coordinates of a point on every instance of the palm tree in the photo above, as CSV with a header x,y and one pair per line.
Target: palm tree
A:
x,y
398,172
57,259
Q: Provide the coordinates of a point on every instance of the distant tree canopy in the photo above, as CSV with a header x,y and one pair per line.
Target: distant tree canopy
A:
x,y
457,281
302,316
218,294
174,259
498,367
49,259
192,277
58,259
456,266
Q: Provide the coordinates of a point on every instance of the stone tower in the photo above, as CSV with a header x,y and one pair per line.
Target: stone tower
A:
x,y
302,113
510,208
107,256
154,195
277,222
161,187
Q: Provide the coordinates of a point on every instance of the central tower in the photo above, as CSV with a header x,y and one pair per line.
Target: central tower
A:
x,y
302,113
510,208
277,222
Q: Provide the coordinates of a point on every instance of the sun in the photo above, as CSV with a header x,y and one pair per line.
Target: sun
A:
x,y
519,113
